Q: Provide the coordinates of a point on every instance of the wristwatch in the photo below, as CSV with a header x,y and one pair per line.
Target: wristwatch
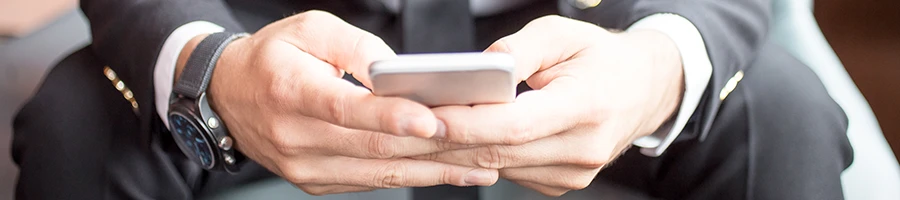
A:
x,y
195,127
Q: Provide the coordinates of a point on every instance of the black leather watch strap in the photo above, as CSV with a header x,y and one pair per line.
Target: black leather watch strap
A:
x,y
198,70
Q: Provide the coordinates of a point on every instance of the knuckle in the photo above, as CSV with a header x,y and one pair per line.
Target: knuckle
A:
x,y
592,161
315,16
283,142
390,121
431,156
501,45
444,146
381,146
516,138
489,157
598,157
307,25
458,131
365,38
546,20
338,109
447,176
311,190
603,152
281,91
593,115
575,184
265,46
519,133
391,175
283,148
293,174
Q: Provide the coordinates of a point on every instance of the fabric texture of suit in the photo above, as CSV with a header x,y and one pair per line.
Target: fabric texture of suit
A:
x,y
128,35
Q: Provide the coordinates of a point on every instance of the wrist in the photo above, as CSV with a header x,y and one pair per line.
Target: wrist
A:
x,y
228,56
185,54
666,67
227,69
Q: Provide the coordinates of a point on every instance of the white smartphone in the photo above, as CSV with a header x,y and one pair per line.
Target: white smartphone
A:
x,y
441,79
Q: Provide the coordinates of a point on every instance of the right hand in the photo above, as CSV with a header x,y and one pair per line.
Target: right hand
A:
x,y
281,94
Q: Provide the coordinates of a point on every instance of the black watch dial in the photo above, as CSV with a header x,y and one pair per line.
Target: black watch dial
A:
x,y
191,140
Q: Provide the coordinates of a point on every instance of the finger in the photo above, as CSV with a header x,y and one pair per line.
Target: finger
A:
x,y
373,145
339,102
567,177
553,150
337,42
395,173
318,190
534,114
540,44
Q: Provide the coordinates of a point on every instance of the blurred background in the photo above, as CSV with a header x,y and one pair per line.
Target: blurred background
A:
x,y
35,34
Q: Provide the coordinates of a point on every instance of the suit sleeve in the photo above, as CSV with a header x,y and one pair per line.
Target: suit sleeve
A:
x,y
128,35
732,30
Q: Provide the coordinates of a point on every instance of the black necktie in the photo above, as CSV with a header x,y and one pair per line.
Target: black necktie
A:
x,y
431,26
437,26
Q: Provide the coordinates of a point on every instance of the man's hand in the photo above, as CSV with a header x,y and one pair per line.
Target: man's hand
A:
x,y
595,93
281,94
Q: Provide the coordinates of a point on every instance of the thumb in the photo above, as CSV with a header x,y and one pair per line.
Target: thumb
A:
x,y
331,39
341,103
331,43
541,44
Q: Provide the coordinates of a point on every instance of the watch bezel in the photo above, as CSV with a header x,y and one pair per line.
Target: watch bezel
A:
x,y
190,111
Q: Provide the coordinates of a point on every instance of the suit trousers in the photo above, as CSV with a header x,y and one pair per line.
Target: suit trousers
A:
x,y
777,135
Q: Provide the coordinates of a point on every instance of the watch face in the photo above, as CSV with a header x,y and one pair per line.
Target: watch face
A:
x,y
191,140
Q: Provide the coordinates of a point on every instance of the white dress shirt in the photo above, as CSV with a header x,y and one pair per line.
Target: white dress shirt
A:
x,y
695,61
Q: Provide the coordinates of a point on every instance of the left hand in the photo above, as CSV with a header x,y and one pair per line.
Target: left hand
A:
x,y
595,93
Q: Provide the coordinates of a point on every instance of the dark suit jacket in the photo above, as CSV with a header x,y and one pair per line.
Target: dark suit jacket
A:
x,y
128,34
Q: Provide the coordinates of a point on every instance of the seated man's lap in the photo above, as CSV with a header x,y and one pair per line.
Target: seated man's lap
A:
x,y
778,133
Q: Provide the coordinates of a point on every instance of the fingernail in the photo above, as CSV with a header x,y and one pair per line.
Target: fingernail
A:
x,y
481,177
441,131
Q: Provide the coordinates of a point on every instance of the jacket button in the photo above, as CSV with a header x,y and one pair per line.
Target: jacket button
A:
x,y
731,84
584,4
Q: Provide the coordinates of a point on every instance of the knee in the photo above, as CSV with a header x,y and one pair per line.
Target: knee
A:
x,y
798,96
791,98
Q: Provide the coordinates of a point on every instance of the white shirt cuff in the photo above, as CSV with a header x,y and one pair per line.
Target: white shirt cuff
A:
x,y
697,72
164,73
